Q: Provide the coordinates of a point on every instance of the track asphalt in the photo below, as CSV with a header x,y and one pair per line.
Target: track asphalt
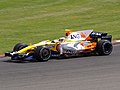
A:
x,y
83,73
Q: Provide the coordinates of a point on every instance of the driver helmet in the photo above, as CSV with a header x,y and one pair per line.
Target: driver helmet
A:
x,y
68,32
62,39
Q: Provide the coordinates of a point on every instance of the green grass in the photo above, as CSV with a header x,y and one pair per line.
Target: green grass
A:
x,y
35,20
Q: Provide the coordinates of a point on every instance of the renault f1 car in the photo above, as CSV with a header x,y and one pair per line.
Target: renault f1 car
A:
x,y
74,44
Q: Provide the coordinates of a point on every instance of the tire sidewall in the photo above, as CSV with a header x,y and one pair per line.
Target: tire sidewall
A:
x,y
39,54
104,47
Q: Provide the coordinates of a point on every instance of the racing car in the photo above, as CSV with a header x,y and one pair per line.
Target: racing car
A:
x,y
75,43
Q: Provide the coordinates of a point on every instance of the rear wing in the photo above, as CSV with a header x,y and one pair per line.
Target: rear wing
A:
x,y
101,35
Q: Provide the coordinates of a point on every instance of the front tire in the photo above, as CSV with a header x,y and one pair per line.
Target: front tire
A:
x,y
104,47
19,46
42,54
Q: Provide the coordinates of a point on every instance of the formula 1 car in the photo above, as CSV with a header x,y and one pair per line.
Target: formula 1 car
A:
x,y
75,44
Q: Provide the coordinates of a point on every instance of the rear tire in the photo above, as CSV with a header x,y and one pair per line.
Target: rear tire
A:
x,y
19,46
42,54
104,47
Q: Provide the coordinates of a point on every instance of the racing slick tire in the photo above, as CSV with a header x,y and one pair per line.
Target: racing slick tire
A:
x,y
42,54
104,47
19,46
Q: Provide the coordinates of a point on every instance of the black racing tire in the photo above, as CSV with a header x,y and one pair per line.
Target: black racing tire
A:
x,y
19,46
42,54
104,47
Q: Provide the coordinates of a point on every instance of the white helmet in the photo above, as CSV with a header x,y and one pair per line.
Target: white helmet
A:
x,y
61,39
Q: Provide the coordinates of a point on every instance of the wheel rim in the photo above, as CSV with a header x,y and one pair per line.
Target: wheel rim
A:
x,y
45,54
107,48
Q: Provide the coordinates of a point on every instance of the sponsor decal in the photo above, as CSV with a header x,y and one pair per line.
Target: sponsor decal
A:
x,y
83,35
75,36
